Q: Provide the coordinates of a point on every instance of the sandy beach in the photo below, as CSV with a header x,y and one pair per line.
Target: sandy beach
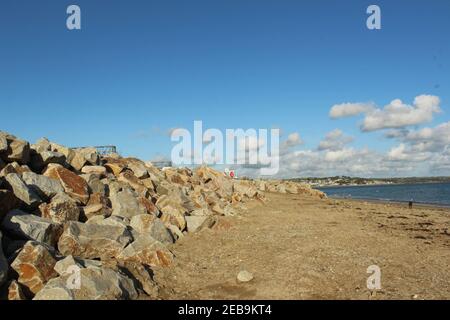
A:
x,y
298,247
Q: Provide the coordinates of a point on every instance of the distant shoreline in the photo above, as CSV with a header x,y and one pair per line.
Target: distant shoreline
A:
x,y
394,202
383,200
377,184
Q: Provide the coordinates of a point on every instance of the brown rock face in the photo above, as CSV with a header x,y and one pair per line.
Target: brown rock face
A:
x,y
98,205
116,166
147,251
61,209
128,177
34,265
149,206
74,185
153,226
15,291
92,241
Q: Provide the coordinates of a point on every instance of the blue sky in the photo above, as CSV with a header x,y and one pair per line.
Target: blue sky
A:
x,y
139,68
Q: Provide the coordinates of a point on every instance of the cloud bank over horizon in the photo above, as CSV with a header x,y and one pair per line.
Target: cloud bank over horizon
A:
x,y
418,151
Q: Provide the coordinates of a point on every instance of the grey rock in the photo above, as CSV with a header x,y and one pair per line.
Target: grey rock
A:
x,y
66,265
153,226
31,227
95,284
125,204
22,191
94,183
45,187
92,241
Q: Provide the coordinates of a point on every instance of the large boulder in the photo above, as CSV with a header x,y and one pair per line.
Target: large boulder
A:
x,y
126,204
3,264
34,266
18,150
31,227
40,159
74,185
95,284
44,186
61,209
98,205
153,226
92,241
95,184
22,191
97,170
115,166
143,277
14,167
147,251
80,157
42,145
128,177
138,167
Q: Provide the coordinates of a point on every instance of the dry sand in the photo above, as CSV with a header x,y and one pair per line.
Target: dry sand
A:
x,y
303,248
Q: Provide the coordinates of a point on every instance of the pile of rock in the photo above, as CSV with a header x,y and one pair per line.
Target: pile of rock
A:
x,y
77,225
283,186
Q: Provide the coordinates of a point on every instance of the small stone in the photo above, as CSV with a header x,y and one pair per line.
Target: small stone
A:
x,y
244,276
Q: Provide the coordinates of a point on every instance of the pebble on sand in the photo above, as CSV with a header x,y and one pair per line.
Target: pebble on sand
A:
x,y
245,276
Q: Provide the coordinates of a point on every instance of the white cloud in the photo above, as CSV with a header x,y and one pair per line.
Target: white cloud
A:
x,y
350,109
335,140
430,139
292,140
393,116
399,115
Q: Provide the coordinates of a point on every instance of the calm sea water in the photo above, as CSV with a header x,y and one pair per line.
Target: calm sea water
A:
x,y
430,193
